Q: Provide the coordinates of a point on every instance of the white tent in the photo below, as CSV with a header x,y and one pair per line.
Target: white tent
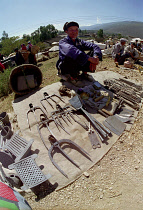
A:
x,y
54,49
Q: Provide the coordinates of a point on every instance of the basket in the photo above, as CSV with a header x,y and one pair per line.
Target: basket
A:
x,y
34,49
25,71
25,54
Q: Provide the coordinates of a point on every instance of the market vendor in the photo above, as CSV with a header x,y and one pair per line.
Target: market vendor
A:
x,y
73,59
131,51
118,51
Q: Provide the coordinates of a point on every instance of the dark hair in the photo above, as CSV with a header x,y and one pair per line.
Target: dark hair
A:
x,y
16,49
69,24
133,43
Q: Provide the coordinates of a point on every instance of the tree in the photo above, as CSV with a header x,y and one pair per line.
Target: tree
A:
x,y
100,33
9,44
47,32
26,37
119,36
4,35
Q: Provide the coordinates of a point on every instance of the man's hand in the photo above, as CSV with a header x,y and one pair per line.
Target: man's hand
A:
x,y
92,67
93,62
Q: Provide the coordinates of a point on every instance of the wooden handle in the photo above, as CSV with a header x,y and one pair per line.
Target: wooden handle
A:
x,y
107,112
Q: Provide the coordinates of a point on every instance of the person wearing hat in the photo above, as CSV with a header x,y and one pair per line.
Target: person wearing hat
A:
x,y
72,56
131,51
29,46
118,51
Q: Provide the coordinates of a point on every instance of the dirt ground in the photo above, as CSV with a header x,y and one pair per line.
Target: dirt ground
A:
x,y
115,182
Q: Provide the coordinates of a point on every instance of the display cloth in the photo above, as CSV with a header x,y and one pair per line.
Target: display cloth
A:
x,y
77,133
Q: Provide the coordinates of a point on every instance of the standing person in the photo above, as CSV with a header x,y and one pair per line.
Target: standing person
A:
x,y
31,57
29,46
19,60
73,59
23,47
1,56
118,51
2,67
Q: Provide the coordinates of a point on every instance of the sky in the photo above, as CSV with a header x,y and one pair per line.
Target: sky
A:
x,y
20,17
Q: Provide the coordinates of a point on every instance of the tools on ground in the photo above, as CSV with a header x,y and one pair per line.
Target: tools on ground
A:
x,y
57,144
47,97
127,91
33,110
102,131
93,138
115,125
65,114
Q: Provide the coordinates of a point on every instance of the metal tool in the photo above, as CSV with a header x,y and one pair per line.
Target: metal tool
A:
x,y
56,118
44,122
70,112
117,105
33,109
125,112
115,125
57,144
123,118
63,113
76,103
1,137
47,96
93,138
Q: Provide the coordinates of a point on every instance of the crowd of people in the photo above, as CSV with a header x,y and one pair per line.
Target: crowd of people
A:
x,y
73,59
22,56
122,51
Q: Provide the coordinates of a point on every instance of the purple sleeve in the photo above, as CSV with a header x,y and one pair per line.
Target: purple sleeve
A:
x,y
69,50
91,46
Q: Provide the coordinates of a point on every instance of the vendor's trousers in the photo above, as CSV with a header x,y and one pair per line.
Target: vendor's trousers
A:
x,y
70,66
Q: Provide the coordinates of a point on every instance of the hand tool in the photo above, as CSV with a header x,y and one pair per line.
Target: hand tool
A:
x,y
93,138
70,112
56,118
57,144
47,96
33,109
76,103
115,125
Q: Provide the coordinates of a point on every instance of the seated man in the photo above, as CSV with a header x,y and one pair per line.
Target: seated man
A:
x,y
131,51
118,51
72,58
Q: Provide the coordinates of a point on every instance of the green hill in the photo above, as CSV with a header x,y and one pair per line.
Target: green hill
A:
x,y
126,28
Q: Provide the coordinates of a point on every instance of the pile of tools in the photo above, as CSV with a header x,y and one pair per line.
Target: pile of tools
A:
x,y
129,92
57,116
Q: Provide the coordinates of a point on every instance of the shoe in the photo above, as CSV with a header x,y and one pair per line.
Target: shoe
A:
x,y
64,77
87,77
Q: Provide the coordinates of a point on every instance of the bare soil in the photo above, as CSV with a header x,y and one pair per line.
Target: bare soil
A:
x,y
115,182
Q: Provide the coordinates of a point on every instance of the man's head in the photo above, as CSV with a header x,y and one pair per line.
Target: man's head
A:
x,y
16,49
133,44
123,41
71,28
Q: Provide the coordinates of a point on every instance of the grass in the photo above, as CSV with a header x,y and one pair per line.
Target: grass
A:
x,y
4,83
49,71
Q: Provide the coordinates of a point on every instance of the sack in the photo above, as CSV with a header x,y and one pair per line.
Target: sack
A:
x,y
26,82
34,49
128,64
